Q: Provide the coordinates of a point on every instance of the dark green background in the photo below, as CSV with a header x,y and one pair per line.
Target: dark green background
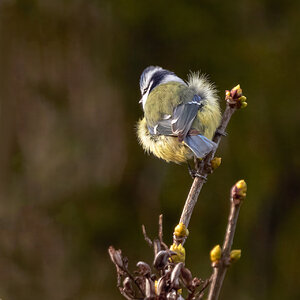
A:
x,y
73,179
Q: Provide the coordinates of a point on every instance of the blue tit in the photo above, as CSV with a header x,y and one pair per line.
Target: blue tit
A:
x,y
180,118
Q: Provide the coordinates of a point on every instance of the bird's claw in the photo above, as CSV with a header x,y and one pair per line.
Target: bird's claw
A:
x,y
195,173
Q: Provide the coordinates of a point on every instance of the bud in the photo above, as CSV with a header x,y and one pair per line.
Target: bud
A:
x,y
196,282
161,259
161,284
187,277
235,98
242,99
241,184
127,287
149,289
181,230
241,188
244,104
180,253
176,272
215,162
236,87
116,256
215,253
143,268
238,192
235,255
236,92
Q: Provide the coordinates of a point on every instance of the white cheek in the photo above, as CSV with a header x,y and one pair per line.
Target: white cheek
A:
x,y
144,99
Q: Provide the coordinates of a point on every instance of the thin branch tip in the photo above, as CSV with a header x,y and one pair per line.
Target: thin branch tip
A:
x,y
226,256
147,239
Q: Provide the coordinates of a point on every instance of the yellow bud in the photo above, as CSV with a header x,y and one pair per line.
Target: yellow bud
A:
x,y
244,104
242,187
155,287
215,253
216,162
243,99
180,253
181,230
179,291
238,192
235,255
236,92
236,87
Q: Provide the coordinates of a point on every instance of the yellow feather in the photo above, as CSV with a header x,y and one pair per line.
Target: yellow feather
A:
x,y
165,147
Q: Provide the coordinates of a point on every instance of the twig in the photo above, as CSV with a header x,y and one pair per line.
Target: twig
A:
x,y
121,264
205,285
233,102
238,193
160,228
147,239
157,244
204,171
160,232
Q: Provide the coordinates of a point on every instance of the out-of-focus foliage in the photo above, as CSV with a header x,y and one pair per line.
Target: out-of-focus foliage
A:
x,y
73,179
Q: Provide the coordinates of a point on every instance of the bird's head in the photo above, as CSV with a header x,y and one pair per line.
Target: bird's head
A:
x,y
152,77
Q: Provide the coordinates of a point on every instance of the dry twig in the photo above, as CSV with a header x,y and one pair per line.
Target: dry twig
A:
x,y
160,232
149,242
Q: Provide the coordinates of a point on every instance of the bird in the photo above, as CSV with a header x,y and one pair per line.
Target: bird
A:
x,y
180,118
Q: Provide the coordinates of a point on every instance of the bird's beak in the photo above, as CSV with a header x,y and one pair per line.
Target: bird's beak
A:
x,y
141,100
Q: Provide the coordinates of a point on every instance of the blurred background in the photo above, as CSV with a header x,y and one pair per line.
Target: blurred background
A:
x,y
73,179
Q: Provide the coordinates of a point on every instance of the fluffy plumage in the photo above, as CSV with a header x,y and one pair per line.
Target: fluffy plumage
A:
x,y
179,118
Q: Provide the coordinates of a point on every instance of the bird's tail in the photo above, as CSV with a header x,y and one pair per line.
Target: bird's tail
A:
x,y
200,145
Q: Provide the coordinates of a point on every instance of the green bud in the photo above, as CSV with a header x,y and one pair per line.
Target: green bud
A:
x,y
244,104
243,99
235,255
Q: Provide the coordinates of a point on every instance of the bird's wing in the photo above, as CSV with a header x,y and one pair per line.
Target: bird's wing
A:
x,y
180,122
184,115
163,127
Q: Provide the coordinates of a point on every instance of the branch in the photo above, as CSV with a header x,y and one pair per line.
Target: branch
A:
x,y
221,260
160,232
234,100
170,274
147,239
121,264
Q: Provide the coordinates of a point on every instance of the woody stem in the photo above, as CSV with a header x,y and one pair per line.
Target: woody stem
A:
x,y
203,171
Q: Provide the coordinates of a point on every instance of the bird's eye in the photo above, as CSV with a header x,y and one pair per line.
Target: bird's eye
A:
x,y
144,91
